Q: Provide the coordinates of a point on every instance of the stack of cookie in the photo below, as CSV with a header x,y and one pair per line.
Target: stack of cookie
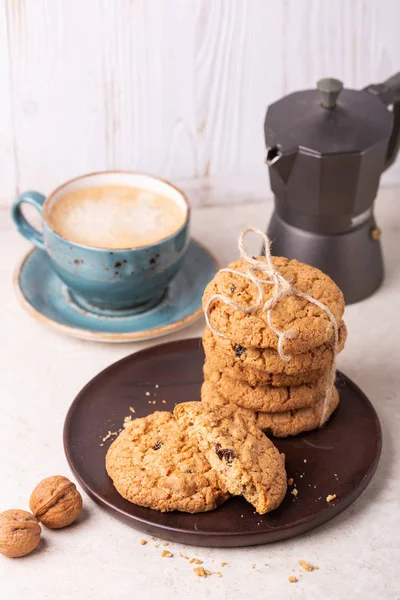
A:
x,y
272,342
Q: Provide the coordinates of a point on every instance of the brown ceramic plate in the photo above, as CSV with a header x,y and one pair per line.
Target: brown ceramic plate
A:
x,y
339,459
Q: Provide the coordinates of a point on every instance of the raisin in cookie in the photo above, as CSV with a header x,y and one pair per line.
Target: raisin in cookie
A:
x,y
267,359
266,397
153,463
245,459
310,324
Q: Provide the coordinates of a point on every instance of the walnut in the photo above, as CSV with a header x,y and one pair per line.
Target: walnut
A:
x,y
19,533
56,502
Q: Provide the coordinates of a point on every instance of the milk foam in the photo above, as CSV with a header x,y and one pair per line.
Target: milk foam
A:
x,y
115,217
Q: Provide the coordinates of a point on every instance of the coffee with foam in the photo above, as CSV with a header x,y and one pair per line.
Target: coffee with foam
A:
x,y
115,216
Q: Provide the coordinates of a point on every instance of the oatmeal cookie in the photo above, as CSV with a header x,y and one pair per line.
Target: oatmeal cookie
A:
x,y
239,371
298,421
153,463
245,459
310,324
268,360
282,424
266,397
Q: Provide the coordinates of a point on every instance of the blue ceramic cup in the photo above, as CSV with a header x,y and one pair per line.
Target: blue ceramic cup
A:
x,y
109,281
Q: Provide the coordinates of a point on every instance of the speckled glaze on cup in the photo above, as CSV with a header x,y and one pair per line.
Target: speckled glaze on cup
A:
x,y
109,282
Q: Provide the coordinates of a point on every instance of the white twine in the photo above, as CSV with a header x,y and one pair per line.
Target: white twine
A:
x,y
282,288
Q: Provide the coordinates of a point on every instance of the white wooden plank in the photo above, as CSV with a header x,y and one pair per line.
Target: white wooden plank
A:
x,y
149,85
239,70
8,155
58,107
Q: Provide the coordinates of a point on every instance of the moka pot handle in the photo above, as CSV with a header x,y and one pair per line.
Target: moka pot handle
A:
x,y
389,93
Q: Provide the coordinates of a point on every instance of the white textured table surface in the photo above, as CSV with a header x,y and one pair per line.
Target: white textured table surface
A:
x,y
358,553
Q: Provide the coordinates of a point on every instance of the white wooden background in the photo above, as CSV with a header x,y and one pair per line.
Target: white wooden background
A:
x,y
177,88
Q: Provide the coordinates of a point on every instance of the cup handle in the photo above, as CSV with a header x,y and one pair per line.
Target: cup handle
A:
x,y
25,228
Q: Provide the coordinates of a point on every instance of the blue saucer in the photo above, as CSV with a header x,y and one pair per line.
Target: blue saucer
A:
x,y
46,298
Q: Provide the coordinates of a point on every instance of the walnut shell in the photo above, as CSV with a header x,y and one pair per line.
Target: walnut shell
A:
x,y
19,533
56,502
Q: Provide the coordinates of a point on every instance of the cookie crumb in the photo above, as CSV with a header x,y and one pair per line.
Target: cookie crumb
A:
x,y
294,492
101,444
166,554
147,393
293,579
331,497
253,566
241,516
166,544
149,401
183,556
164,401
201,572
109,434
305,460
223,564
196,561
143,542
218,574
290,481
307,566
132,409
156,545
156,386
127,420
